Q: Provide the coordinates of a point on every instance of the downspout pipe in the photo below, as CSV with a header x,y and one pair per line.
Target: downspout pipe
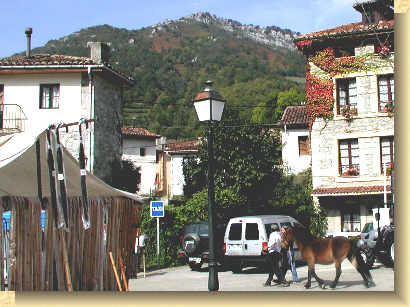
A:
x,y
91,97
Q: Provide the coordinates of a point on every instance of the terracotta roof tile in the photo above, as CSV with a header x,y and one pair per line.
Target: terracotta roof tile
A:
x,y
58,60
192,145
45,59
133,131
353,28
295,116
352,190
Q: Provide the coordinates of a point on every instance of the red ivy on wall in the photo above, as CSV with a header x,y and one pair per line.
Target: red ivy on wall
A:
x,y
319,97
319,91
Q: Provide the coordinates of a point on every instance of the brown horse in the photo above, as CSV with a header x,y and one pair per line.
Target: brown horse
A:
x,y
326,251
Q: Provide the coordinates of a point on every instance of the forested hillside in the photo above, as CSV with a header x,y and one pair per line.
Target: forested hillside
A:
x,y
255,69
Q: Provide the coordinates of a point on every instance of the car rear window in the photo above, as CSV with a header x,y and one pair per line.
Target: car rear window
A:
x,y
235,232
268,228
203,229
251,231
368,227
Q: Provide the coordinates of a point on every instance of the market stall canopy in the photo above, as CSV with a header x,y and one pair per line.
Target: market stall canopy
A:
x,y
18,170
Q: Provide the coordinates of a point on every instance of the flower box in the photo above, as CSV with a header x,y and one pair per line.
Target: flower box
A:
x,y
348,112
351,172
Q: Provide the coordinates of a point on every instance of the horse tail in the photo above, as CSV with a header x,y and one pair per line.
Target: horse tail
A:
x,y
357,261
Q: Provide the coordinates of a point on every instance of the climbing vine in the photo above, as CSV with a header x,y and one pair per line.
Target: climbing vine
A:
x,y
319,89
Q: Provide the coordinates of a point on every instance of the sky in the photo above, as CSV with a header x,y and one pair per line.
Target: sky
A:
x,y
53,19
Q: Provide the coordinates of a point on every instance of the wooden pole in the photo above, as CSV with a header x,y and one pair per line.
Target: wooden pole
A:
x,y
115,272
124,279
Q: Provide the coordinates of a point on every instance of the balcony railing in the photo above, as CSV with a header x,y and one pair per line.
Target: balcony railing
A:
x,y
12,119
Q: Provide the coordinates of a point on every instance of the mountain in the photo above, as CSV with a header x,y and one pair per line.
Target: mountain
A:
x,y
254,68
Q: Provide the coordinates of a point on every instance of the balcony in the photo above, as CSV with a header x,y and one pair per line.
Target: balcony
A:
x,y
12,119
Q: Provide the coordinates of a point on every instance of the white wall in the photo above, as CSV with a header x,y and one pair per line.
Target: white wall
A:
x,y
177,175
290,151
147,163
24,90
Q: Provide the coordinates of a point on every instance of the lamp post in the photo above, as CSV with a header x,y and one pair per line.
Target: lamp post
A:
x,y
209,106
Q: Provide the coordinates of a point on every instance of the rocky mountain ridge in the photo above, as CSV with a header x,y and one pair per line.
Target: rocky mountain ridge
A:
x,y
271,36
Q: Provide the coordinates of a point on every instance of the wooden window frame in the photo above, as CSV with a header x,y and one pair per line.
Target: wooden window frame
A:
x,y
345,83
351,212
349,149
390,99
303,139
53,101
391,154
143,152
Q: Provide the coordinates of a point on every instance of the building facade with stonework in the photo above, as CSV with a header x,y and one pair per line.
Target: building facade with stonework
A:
x,y
296,154
39,90
350,105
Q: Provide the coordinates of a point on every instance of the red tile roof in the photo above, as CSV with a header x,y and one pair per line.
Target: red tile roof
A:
x,y
349,29
377,189
39,61
295,116
133,131
192,145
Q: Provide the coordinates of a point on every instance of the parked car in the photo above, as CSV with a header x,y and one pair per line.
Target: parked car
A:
x,y
246,236
372,244
195,244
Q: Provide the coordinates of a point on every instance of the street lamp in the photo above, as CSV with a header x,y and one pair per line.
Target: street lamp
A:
x,y
209,106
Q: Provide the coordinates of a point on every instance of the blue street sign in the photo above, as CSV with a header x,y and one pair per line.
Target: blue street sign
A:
x,y
157,209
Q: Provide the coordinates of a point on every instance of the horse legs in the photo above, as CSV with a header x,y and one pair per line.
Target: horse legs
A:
x,y
338,267
311,272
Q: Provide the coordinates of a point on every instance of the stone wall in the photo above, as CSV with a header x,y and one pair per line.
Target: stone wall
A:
x,y
107,129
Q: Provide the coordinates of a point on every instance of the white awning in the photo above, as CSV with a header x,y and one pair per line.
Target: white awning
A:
x,y
18,170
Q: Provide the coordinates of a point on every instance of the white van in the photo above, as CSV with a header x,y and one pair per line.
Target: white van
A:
x,y
246,235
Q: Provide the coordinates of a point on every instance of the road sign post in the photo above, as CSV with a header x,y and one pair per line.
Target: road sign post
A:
x,y
157,209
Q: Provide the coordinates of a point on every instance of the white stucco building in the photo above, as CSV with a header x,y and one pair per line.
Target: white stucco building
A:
x,y
176,153
296,154
38,90
142,148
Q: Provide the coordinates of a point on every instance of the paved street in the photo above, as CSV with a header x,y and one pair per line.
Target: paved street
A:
x,y
251,279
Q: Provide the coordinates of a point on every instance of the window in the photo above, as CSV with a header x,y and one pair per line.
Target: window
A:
x,y
252,231
385,85
349,157
49,96
303,145
386,153
235,232
351,220
268,228
142,151
346,94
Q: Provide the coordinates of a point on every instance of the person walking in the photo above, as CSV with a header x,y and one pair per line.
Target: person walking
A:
x,y
273,257
289,259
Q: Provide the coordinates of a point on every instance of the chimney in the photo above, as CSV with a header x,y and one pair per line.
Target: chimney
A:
x,y
99,52
28,32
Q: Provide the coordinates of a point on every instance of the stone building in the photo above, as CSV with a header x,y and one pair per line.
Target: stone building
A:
x,y
350,105
39,90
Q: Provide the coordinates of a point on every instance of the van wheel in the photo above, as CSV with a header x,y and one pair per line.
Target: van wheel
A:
x,y
236,267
